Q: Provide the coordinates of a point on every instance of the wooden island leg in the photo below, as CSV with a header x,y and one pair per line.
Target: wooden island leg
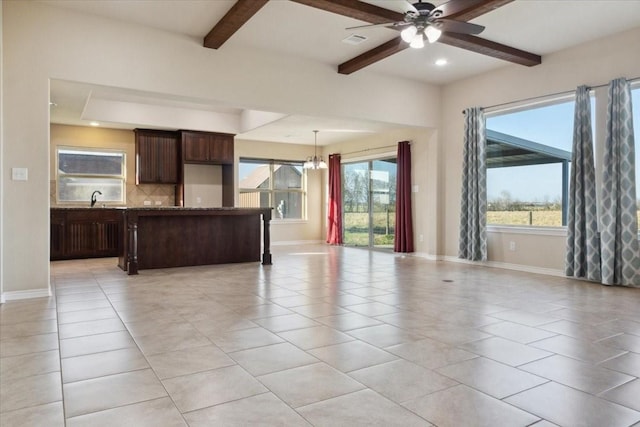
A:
x,y
266,255
133,246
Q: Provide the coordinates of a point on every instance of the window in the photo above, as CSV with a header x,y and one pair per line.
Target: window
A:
x,y
273,183
81,171
528,165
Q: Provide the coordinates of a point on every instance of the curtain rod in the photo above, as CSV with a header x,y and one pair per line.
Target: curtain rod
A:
x,y
566,92
368,149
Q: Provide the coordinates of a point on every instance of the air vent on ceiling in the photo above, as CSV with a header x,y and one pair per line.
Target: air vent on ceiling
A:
x,y
354,39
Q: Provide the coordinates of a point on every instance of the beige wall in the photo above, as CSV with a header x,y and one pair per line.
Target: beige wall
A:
x,y
594,63
203,186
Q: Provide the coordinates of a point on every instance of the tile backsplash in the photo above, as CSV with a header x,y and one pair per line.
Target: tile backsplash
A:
x,y
156,194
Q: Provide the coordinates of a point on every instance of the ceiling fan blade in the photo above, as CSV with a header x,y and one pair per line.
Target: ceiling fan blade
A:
x,y
455,7
454,26
407,6
384,24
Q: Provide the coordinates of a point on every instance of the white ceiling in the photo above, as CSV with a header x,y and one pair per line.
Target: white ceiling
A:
x,y
537,26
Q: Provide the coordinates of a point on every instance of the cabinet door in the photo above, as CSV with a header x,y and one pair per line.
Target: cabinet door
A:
x,y
93,233
80,238
156,157
221,149
57,236
107,238
196,147
167,148
146,159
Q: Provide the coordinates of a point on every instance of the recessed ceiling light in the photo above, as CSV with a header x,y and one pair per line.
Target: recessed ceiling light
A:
x,y
94,124
441,62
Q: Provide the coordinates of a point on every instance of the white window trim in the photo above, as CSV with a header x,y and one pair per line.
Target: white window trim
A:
x,y
123,177
523,106
527,229
271,162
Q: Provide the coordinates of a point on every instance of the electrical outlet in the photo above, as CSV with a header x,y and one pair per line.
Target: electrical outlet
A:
x,y
158,202
512,245
147,202
421,238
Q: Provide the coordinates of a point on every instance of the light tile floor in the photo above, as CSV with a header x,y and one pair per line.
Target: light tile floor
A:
x,y
327,336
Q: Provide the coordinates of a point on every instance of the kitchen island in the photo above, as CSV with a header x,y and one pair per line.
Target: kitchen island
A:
x,y
178,237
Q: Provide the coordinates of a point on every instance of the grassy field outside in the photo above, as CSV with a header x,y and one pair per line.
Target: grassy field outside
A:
x,y
356,224
356,228
541,218
537,218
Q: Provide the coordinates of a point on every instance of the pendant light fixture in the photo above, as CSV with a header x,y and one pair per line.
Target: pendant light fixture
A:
x,y
315,162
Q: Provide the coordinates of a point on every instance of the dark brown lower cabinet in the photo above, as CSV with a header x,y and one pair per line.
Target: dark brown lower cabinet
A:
x,y
85,233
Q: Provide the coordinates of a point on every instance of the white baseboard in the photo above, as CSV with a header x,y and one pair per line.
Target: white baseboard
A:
x,y
426,255
509,266
297,242
30,293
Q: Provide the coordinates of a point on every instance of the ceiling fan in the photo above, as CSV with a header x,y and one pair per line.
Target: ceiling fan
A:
x,y
423,20
449,19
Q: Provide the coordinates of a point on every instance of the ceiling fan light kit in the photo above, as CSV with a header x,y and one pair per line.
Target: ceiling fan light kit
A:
x,y
315,162
424,20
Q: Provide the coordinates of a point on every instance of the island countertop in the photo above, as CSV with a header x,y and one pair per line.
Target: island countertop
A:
x,y
173,236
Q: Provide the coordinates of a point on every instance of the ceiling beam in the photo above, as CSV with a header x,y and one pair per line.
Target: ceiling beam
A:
x,y
489,48
355,9
371,56
235,18
470,9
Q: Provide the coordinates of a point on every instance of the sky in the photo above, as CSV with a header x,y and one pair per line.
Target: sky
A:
x,y
550,125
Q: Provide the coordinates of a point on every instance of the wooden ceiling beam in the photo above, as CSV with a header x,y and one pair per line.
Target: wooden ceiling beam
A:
x,y
371,56
355,9
472,9
235,18
489,48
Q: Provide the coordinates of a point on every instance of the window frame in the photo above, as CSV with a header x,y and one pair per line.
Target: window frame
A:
x,y
516,107
272,190
122,177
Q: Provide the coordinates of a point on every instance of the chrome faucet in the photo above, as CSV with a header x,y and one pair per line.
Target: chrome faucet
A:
x,y
94,197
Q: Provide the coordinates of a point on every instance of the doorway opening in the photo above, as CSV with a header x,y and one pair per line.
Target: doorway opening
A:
x,y
369,203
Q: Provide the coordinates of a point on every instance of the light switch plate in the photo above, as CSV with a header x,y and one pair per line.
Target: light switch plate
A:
x,y
19,174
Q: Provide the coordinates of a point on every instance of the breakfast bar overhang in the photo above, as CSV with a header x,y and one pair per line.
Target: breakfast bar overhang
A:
x,y
178,237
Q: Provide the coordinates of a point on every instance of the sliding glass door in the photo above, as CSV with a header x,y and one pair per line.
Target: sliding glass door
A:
x,y
369,203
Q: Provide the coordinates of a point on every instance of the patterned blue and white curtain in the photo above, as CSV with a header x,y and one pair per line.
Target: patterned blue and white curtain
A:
x,y
619,224
473,213
583,244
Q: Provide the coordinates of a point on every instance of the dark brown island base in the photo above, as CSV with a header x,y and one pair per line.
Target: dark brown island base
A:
x,y
178,237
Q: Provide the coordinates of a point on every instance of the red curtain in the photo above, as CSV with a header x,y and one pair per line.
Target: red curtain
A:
x,y
404,226
334,223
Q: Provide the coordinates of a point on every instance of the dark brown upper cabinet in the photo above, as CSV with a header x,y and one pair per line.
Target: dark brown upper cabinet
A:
x,y
157,157
207,147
